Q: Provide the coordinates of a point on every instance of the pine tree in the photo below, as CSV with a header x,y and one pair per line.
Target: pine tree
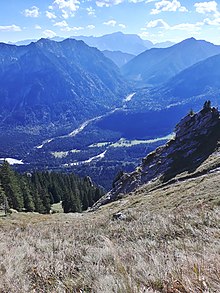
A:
x,y
27,196
3,200
11,187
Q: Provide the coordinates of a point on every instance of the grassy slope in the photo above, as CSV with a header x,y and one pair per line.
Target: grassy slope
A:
x,y
169,242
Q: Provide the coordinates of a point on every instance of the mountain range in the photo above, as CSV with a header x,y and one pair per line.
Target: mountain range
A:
x,y
126,43
56,82
199,79
66,106
156,66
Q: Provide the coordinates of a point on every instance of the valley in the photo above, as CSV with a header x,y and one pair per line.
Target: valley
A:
x,y
103,123
110,146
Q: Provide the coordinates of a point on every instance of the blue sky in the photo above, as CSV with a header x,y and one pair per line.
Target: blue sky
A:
x,y
155,20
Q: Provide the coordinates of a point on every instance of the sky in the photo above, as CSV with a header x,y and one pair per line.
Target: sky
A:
x,y
154,20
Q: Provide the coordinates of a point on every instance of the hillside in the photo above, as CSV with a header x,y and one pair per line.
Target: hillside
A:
x,y
118,57
60,83
160,235
165,240
158,65
184,157
201,78
48,89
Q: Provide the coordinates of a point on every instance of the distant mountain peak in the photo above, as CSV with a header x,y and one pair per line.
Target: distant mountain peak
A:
x,y
192,39
117,41
68,74
157,66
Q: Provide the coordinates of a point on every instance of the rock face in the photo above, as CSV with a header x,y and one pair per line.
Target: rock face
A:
x,y
196,138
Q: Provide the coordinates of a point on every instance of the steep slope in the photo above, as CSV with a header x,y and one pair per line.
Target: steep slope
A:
x,y
157,66
193,152
61,83
166,240
118,57
127,43
198,79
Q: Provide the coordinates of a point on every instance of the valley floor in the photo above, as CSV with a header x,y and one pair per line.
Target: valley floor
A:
x,y
168,240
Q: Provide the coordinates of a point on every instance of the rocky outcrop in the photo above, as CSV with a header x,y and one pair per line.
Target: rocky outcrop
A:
x,y
195,139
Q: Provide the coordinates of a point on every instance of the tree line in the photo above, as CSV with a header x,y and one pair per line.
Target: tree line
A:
x,y
37,191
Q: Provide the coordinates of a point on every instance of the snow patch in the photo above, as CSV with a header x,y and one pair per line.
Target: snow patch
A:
x,y
12,161
95,158
129,97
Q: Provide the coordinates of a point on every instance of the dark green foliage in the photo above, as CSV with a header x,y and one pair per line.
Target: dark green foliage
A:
x,y
11,187
39,190
27,196
3,200
191,112
207,105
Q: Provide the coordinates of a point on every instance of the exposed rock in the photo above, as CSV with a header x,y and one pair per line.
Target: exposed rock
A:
x,y
196,138
119,216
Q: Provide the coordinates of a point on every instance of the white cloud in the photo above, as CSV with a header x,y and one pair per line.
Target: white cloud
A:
x,y
50,15
161,24
215,21
166,5
49,34
61,24
90,11
38,27
111,22
67,7
32,12
108,3
10,28
70,29
90,26
206,7
183,9
138,1
210,7
65,14
71,5
158,23
143,35
121,25
190,27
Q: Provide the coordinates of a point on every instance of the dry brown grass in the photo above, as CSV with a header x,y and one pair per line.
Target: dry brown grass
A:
x,y
169,242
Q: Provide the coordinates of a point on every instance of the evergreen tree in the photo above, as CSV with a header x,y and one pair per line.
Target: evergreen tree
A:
x,y
27,196
37,191
207,105
38,204
3,200
11,187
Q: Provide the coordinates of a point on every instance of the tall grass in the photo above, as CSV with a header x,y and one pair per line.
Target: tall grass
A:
x,y
163,247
